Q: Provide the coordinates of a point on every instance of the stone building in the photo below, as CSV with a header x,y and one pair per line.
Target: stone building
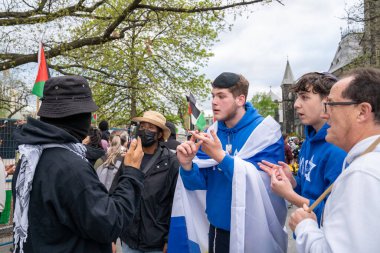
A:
x,y
359,48
371,36
291,122
349,49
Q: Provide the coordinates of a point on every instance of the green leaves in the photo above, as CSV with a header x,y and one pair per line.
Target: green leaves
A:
x,y
138,55
152,67
263,103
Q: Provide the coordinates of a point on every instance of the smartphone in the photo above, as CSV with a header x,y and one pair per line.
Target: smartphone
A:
x,y
133,131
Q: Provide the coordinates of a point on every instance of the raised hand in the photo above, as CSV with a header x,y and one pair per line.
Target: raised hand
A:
x,y
285,167
280,184
270,168
187,151
211,146
134,155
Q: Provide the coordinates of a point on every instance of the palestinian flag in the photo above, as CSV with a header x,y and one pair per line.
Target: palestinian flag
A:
x,y
94,117
197,116
42,75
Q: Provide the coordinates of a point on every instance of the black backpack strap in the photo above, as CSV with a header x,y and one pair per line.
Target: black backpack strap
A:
x,y
152,161
114,182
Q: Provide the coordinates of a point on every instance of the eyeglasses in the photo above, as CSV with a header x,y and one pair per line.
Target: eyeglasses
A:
x,y
325,104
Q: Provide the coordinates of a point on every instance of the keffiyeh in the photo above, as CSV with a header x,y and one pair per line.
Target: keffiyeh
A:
x,y
30,155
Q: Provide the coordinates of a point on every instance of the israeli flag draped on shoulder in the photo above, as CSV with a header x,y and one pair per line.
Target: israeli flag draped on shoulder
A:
x,y
257,215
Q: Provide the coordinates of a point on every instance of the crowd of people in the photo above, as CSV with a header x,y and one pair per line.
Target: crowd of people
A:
x,y
79,188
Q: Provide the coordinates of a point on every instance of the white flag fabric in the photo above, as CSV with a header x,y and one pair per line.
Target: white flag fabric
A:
x,y
257,215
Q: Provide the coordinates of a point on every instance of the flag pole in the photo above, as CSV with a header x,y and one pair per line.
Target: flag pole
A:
x,y
37,106
38,98
42,75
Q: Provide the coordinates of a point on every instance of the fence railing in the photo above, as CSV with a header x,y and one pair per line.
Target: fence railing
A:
x,y
7,153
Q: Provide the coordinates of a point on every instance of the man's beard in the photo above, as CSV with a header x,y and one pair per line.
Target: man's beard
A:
x,y
231,114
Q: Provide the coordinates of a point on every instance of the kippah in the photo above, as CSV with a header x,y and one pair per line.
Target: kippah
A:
x,y
226,80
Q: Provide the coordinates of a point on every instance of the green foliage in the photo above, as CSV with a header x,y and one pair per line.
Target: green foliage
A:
x,y
153,67
137,55
264,104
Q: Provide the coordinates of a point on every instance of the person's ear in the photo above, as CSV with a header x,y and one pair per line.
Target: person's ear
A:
x,y
364,111
240,100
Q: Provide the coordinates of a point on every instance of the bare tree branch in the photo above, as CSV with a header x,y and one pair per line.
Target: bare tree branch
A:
x,y
18,109
19,59
195,10
121,18
61,70
40,16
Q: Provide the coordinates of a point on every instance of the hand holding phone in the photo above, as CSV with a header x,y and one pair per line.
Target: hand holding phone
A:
x,y
133,133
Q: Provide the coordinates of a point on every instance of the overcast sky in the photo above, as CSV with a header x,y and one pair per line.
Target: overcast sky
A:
x,y
307,32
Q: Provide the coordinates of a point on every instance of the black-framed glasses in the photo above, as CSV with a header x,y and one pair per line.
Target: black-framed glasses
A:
x,y
325,104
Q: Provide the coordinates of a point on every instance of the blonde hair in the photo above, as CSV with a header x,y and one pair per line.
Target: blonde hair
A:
x,y
115,150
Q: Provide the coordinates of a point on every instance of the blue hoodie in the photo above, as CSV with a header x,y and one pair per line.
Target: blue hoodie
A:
x,y
320,163
217,180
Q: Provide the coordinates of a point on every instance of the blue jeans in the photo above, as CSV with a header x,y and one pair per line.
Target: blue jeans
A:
x,y
127,249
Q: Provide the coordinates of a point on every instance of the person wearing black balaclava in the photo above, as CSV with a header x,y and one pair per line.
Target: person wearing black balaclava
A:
x,y
59,203
149,229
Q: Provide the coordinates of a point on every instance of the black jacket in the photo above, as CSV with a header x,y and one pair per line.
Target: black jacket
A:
x,y
171,144
70,210
150,227
105,135
94,154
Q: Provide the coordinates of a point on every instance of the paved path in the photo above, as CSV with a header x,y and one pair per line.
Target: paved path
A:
x,y
291,243
5,249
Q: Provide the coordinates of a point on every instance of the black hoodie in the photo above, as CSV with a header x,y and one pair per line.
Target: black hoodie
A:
x,y
94,154
70,210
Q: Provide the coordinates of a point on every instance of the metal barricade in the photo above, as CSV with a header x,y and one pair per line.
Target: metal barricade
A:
x,y
7,153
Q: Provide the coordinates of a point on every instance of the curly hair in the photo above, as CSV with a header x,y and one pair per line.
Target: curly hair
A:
x,y
319,83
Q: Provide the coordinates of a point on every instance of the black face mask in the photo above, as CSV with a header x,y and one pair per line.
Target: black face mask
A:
x,y
148,138
77,125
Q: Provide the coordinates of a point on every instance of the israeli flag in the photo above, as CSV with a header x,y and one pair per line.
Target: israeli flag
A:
x,y
257,215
